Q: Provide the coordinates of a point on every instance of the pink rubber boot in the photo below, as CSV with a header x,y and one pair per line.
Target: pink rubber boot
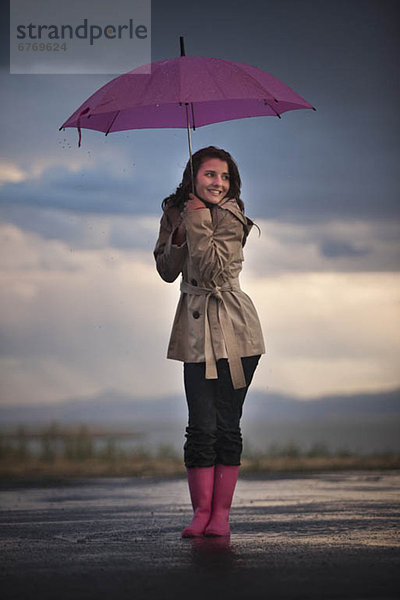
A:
x,y
201,483
225,478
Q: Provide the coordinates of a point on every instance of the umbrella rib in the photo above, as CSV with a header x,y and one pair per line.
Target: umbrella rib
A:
x,y
254,80
272,108
112,122
220,89
193,121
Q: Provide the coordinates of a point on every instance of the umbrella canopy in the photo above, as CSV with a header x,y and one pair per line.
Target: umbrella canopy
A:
x,y
188,91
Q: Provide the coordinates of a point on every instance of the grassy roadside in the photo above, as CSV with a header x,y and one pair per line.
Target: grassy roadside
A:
x,y
59,452
33,469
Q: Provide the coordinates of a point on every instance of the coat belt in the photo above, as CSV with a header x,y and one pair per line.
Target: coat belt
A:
x,y
234,358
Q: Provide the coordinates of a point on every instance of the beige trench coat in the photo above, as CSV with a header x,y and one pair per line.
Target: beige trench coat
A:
x,y
214,318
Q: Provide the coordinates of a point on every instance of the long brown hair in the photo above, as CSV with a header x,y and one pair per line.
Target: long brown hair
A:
x,y
181,195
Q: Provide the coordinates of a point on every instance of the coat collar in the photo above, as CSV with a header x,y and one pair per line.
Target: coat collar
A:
x,y
233,207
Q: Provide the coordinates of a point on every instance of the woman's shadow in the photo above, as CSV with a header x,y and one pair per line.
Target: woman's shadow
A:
x,y
212,553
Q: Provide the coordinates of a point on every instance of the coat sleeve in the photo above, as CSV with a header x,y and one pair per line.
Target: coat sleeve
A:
x,y
212,246
169,258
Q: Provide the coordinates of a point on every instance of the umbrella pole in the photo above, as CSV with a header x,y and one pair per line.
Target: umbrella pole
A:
x,y
182,44
190,145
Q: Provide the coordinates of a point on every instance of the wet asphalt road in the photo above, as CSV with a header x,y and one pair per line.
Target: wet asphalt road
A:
x,y
328,536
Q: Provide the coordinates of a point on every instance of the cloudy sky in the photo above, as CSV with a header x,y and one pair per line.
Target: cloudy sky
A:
x,y
82,309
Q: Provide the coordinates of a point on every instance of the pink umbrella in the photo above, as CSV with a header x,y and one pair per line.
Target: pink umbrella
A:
x,y
187,92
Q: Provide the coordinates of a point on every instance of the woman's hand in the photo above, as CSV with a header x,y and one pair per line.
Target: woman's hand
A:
x,y
194,203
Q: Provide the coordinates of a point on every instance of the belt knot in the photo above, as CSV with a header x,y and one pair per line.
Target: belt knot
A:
x,y
225,321
216,293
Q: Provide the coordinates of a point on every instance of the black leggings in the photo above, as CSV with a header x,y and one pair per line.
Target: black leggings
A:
x,y
213,434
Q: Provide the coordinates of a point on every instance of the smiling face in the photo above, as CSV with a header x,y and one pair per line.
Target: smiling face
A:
x,y
212,180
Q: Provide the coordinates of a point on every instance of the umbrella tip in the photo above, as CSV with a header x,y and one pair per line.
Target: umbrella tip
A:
x,y
182,45
313,108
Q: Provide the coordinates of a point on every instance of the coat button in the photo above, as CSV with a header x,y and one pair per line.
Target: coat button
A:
x,y
196,314
193,282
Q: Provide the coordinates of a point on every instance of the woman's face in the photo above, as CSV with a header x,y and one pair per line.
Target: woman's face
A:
x,y
212,180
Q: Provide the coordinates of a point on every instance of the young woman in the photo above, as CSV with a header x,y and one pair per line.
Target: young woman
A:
x,y
216,332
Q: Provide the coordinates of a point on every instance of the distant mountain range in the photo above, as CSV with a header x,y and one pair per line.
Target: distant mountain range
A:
x,y
112,407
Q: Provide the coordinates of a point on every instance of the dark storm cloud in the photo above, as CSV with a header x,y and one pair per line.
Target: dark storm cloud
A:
x,y
332,248
94,190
